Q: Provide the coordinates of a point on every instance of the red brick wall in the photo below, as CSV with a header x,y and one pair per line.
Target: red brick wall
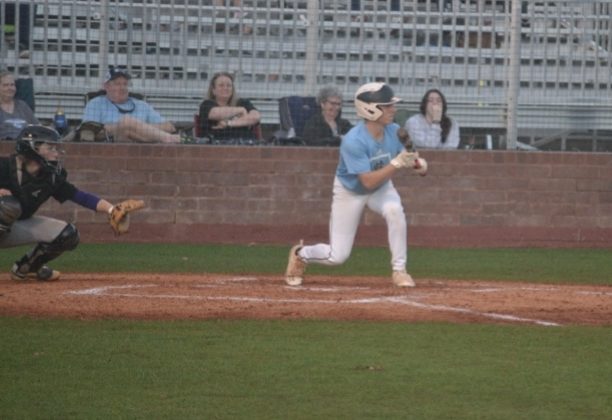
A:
x,y
198,194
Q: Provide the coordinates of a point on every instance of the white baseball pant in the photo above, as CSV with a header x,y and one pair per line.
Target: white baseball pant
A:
x,y
346,212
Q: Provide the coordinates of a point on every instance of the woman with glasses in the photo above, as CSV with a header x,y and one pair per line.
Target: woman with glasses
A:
x,y
431,127
326,128
226,118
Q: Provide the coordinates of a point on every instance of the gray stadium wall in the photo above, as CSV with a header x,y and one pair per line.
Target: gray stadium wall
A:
x,y
277,195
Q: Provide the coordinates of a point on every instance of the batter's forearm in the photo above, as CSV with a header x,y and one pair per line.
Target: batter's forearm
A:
x,y
371,180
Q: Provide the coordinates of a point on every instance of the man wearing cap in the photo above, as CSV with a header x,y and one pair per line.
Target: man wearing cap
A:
x,y
125,118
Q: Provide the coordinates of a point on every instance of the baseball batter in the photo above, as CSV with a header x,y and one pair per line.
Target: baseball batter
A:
x,y
28,179
370,155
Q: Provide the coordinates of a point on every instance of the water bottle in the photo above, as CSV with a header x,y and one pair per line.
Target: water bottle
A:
x,y
60,122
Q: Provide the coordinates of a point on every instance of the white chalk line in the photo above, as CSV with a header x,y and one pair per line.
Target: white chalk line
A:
x,y
445,308
101,291
402,300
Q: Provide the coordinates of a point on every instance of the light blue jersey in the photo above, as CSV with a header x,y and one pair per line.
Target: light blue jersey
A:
x,y
361,153
102,110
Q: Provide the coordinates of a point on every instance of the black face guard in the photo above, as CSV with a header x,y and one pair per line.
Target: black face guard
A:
x,y
29,141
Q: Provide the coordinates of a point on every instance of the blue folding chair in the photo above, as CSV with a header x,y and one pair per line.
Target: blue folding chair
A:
x,y
294,111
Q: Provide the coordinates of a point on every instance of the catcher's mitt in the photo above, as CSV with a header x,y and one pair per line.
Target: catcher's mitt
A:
x,y
119,215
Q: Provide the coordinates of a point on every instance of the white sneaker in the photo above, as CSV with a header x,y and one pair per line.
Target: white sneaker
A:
x,y
295,266
402,279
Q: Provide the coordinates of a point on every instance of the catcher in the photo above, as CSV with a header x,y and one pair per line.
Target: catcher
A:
x,y
28,179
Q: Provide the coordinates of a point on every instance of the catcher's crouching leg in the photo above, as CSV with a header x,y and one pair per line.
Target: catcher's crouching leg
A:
x,y
10,210
33,264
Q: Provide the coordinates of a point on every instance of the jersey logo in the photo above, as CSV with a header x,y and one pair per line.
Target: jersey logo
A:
x,y
379,161
35,193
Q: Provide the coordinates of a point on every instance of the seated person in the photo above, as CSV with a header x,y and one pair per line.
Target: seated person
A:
x,y
326,128
225,117
125,118
15,114
432,128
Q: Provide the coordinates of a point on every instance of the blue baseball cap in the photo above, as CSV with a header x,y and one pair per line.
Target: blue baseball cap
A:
x,y
116,72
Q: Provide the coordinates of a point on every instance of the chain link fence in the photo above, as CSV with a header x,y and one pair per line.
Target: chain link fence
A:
x,y
559,66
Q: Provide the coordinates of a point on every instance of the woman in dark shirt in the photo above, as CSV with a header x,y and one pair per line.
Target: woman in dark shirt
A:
x,y
326,128
224,117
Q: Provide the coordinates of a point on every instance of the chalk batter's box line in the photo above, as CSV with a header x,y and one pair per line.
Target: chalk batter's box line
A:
x,y
402,300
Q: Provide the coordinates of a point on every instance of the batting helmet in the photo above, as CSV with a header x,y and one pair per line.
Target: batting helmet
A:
x,y
370,96
29,141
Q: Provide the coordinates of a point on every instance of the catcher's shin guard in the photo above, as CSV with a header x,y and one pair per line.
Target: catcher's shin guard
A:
x,y
33,263
10,210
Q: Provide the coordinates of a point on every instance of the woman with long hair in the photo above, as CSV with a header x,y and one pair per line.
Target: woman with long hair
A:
x,y
224,116
432,127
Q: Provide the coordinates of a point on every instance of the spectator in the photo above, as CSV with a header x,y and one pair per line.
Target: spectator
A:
x,y
127,119
15,114
326,128
431,127
225,117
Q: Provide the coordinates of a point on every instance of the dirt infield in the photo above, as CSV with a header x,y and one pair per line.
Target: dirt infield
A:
x,y
172,296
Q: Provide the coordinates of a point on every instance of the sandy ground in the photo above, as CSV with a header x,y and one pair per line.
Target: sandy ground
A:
x,y
172,296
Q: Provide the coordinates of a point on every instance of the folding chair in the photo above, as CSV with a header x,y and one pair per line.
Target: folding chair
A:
x,y
90,95
402,115
294,111
91,131
25,91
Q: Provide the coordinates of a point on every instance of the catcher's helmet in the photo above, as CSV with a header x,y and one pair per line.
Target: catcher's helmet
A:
x,y
29,141
370,96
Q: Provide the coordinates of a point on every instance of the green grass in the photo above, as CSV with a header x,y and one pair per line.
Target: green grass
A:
x,y
534,265
122,369
301,370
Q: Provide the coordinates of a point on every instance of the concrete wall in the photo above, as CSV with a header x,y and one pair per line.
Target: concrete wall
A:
x,y
210,194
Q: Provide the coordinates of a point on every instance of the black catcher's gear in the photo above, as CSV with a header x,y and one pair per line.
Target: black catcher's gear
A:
x,y
29,140
10,210
35,260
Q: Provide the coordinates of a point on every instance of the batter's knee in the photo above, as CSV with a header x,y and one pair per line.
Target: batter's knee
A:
x,y
337,258
393,210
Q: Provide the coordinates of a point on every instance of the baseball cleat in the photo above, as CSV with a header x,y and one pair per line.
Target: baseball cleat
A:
x,y
295,267
402,279
45,273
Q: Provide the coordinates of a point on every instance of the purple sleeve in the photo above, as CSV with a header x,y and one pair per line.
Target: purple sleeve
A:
x,y
86,199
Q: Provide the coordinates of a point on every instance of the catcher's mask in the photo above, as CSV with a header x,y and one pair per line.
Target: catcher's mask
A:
x,y
29,141
370,96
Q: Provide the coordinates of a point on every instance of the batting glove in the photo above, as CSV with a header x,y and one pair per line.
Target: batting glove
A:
x,y
404,160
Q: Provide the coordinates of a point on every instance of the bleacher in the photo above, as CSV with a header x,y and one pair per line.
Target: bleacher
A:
x,y
173,47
